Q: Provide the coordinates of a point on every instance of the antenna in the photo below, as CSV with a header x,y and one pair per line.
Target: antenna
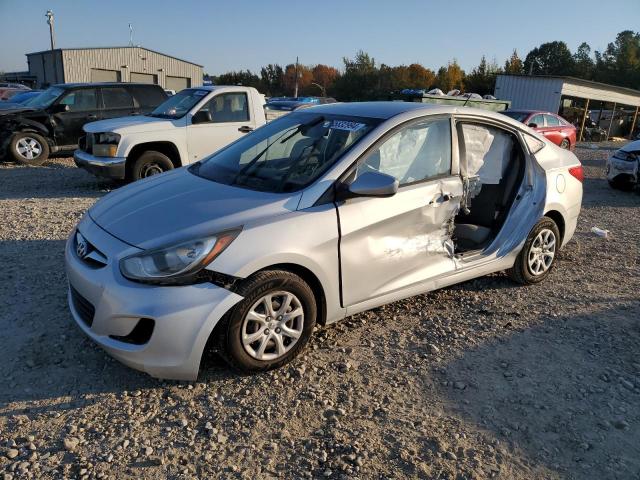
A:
x,y
130,35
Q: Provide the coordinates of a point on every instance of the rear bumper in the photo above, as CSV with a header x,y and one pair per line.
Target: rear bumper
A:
x,y
110,167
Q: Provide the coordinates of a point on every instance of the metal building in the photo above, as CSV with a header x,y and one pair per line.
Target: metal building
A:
x,y
612,108
113,64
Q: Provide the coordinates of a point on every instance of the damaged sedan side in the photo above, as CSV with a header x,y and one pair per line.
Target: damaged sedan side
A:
x,y
318,215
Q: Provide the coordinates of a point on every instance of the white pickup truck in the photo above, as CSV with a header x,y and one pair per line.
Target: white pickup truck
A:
x,y
185,128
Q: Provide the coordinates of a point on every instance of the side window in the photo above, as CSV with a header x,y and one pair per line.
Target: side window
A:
x,y
116,97
229,107
538,120
552,121
81,100
415,153
487,152
148,97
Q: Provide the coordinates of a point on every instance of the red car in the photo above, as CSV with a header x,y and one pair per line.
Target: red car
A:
x,y
552,126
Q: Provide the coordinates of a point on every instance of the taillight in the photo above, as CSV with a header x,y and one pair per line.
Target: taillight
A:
x,y
577,172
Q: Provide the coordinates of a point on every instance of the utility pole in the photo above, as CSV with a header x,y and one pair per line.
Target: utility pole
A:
x,y
295,93
49,16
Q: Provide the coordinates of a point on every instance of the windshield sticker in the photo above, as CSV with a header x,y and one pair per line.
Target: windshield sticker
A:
x,y
200,93
346,125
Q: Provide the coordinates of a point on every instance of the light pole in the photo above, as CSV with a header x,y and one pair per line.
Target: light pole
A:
x,y
295,93
49,16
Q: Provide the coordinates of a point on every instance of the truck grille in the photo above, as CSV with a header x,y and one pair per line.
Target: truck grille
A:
x,y
82,306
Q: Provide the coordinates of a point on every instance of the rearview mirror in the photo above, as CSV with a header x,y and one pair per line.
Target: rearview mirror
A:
x,y
533,125
201,116
60,108
374,184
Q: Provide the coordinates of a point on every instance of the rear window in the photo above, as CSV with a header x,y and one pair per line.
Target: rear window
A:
x,y
518,116
149,97
116,97
552,120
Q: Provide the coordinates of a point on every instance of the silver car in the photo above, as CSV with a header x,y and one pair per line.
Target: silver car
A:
x,y
623,166
321,214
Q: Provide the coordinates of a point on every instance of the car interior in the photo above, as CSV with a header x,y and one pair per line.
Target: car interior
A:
x,y
493,164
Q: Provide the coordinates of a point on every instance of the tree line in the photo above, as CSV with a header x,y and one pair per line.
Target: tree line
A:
x,y
361,78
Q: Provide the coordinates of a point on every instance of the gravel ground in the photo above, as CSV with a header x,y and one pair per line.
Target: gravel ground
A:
x,y
481,380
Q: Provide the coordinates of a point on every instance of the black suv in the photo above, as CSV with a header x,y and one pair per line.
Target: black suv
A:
x,y
53,121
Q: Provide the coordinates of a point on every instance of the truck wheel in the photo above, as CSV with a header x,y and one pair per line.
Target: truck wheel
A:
x,y
148,164
29,148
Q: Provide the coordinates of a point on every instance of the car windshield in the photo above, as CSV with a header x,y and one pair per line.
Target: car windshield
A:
x,y
287,154
179,104
46,98
519,116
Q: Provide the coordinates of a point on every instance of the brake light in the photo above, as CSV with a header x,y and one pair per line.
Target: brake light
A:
x,y
577,172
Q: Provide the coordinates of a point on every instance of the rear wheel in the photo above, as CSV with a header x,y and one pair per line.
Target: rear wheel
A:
x,y
565,143
271,325
148,164
29,148
538,256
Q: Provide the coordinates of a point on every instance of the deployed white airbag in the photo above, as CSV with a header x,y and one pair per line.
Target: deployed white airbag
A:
x,y
488,151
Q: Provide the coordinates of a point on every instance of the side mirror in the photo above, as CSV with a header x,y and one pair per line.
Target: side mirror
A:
x,y
533,125
60,108
201,116
374,184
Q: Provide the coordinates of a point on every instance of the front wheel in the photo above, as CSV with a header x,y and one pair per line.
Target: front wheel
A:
x,y
271,325
538,256
29,148
621,184
148,164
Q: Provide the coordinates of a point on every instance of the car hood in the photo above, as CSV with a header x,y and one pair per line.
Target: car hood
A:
x,y
631,146
12,109
130,124
179,205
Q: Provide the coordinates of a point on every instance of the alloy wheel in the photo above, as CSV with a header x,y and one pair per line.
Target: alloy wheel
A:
x,y
272,326
28,148
542,252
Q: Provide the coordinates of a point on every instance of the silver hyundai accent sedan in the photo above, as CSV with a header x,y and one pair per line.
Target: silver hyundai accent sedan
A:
x,y
319,215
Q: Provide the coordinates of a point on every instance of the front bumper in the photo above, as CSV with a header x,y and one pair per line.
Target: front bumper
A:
x,y
184,316
627,169
111,167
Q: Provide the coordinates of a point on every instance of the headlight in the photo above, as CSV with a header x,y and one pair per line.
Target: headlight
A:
x,y
627,156
177,263
106,144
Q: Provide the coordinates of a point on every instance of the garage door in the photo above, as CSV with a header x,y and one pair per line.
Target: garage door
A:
x,y
99,75
143,78
177,83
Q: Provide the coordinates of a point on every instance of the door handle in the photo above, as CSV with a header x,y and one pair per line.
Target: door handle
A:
x,y
92,117
245,129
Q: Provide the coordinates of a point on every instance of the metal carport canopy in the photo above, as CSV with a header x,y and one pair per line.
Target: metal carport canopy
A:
x,y
600,91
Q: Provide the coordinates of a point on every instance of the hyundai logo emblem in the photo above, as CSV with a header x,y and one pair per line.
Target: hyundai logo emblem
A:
x,y
82,247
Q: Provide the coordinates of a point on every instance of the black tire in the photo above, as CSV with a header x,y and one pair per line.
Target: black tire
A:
x,y
565,143
521,271
230,330
28,144
621,184
148,164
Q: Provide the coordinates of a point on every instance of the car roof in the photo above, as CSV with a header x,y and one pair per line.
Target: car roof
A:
x,y
104,84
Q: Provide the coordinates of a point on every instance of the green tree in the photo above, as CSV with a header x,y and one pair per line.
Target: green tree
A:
x,y
552,58
482,78
242,77
513,64
583,64
619,64
360,80
271,78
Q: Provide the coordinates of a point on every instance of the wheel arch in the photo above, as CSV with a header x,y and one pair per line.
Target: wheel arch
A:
x,y
558,218
165,147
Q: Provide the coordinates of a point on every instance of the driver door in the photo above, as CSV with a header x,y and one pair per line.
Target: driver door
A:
x,y
391,244
82,108
230,119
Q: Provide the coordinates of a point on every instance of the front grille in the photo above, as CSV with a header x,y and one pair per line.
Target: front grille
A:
x,y
89,140
89,254
83,307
